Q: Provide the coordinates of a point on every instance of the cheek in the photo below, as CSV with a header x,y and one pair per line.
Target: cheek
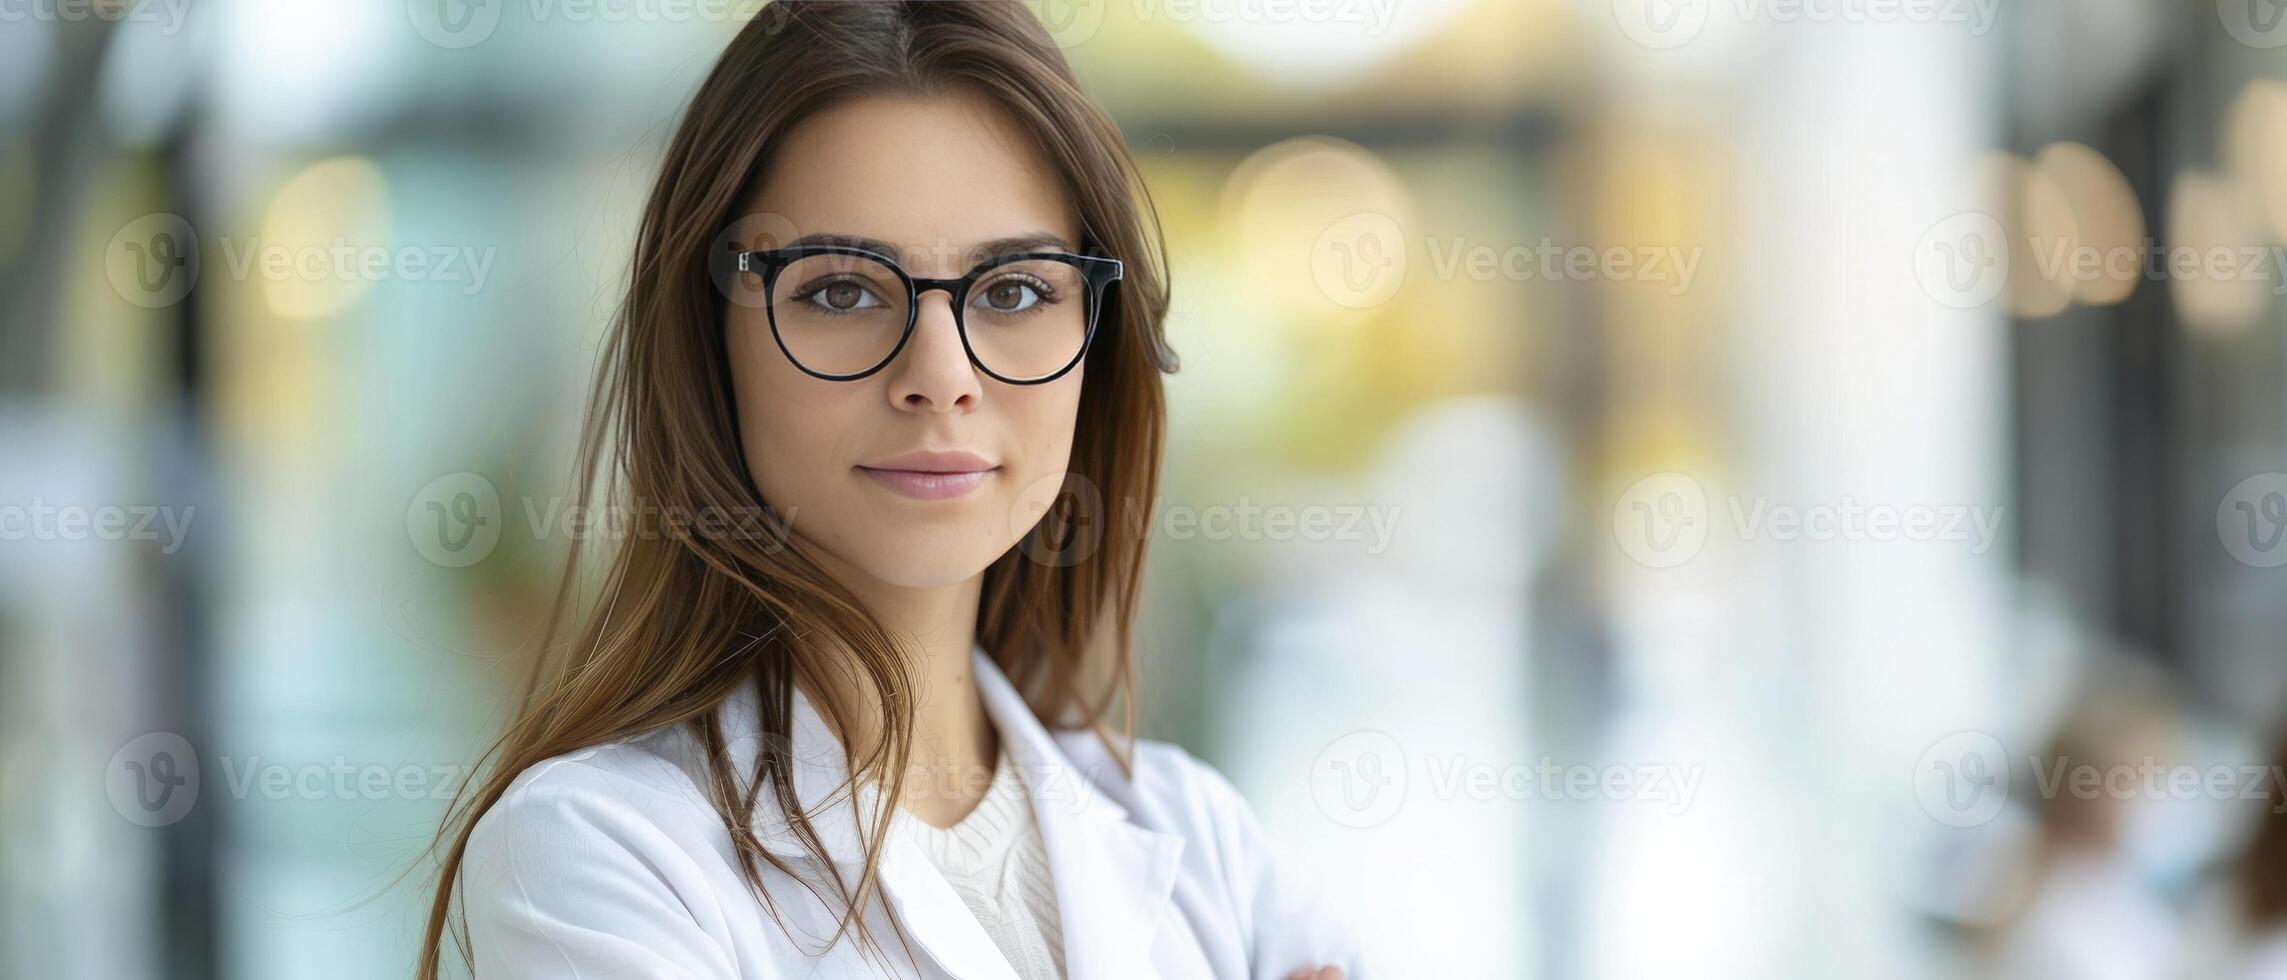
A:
x,y
1042,423
785,417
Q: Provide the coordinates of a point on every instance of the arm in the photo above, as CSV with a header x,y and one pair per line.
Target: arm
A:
x,y
564,877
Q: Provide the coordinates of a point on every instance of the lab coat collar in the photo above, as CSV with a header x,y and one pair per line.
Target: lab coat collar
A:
x,y
1111,875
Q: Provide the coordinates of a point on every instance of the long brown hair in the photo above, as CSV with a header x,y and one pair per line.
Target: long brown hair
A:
x,y
677,623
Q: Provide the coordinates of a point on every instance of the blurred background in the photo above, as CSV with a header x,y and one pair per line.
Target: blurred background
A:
x,y
1712,488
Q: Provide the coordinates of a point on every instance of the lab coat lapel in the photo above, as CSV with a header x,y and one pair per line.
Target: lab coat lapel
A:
x,y
935,915
1112,877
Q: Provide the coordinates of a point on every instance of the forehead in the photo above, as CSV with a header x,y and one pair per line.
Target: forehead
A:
x,y
934,176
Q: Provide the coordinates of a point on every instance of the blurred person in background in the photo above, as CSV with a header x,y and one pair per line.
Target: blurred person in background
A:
x,y
2089,909
896,291
2238,927
2261,877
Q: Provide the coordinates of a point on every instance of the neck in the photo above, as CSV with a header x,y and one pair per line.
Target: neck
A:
x,y
954,741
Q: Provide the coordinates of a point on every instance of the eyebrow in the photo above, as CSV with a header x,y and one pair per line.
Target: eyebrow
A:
x,y
1029,242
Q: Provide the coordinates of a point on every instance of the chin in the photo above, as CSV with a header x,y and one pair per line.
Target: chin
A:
x,y
921,569
901,554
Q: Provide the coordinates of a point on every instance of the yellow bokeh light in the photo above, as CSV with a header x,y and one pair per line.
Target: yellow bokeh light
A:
x,y
1320,229
317,233
2255,150
2107,217
2209,236
2037,220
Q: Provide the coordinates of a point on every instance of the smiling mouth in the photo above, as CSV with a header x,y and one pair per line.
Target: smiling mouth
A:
x,y
930,484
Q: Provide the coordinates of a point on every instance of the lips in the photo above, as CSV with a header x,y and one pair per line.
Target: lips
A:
x,y
931,475
952,461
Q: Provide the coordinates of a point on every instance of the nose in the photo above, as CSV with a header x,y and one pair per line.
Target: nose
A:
x,y
933,373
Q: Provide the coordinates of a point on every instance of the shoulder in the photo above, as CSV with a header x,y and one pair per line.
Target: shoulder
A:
x,y
603,861
619,798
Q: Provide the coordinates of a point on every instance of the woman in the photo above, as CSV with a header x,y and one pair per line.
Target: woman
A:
x,y
2238,918
897,291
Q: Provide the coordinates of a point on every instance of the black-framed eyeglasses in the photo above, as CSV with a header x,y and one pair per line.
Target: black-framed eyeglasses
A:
x,y
841,313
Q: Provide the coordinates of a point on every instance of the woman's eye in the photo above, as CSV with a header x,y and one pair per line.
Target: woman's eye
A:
x,y
1012,296
842,297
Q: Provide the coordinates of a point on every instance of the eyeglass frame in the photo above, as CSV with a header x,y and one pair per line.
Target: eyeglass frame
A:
x,y
1099,271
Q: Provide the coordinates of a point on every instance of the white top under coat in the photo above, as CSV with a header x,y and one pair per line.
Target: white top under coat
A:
x,y
994,859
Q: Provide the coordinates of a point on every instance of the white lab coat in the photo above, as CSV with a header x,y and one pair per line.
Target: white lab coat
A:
x,y
610,862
